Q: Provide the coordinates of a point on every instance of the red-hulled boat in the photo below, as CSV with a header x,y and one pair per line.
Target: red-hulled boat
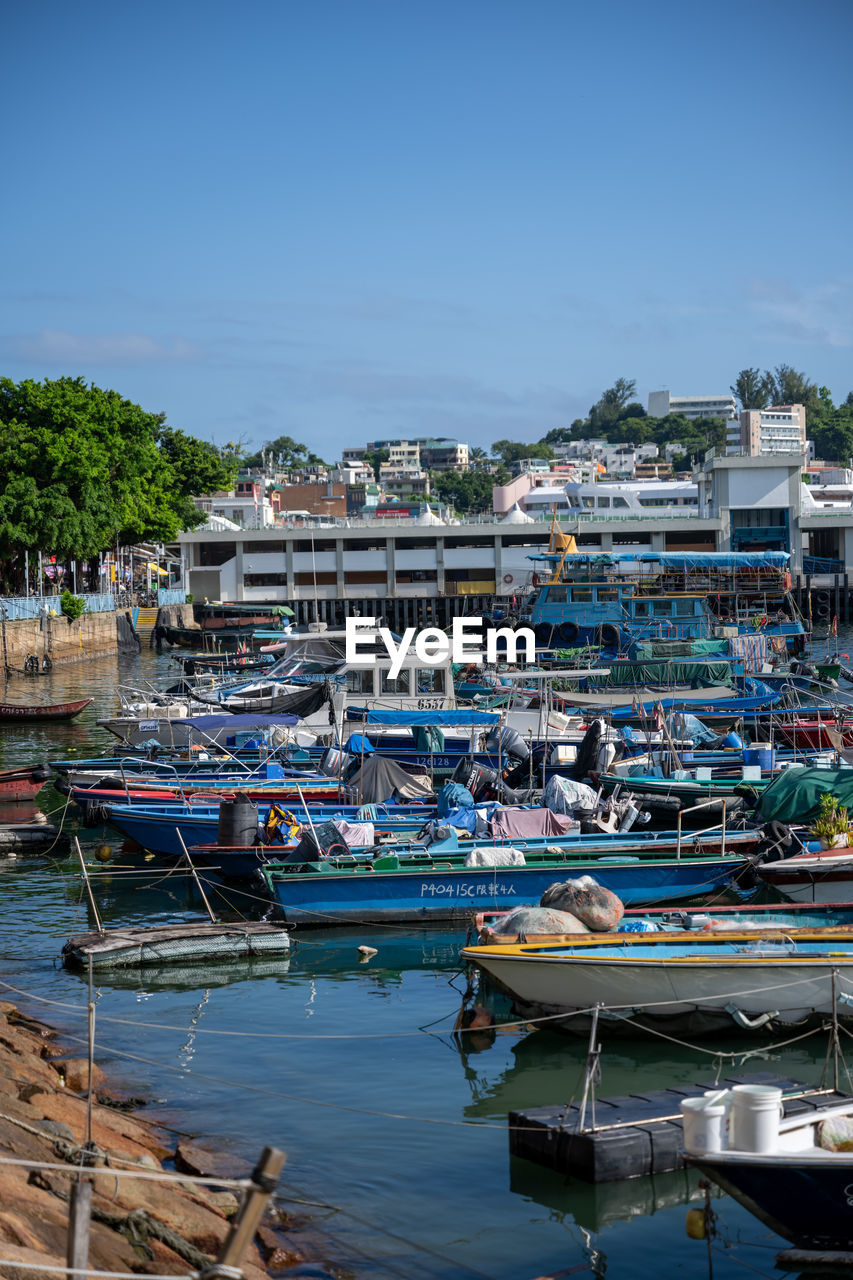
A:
x,y
12,712
816,735
23,784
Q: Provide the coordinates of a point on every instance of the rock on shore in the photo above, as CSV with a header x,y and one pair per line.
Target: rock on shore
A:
x,y
140,1226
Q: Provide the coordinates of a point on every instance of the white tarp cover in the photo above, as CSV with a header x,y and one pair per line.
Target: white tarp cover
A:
x,y
564,795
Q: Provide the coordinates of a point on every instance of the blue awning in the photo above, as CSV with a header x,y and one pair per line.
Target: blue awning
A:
x,y
433,719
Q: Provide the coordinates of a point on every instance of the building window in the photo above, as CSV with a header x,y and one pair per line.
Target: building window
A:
x,y
264,579
213,553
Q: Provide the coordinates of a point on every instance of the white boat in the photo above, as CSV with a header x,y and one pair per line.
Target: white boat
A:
x,y
823,876
699,983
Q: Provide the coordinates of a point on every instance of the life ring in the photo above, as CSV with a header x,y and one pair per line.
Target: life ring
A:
x,y
508,578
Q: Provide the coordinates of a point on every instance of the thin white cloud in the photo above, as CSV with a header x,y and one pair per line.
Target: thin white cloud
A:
x,y
821,315
61,347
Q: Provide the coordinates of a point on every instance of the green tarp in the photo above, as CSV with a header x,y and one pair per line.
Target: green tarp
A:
x,y
678,671
794,796
678,649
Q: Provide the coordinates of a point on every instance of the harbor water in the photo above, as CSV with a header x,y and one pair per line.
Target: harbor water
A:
x,y
394,1127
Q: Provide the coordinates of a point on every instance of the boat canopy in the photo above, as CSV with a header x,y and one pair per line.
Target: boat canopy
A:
x,y
683,560
210,724
794,796
436,719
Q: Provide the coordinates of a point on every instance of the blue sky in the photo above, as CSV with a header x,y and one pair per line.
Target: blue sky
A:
x,y
347,219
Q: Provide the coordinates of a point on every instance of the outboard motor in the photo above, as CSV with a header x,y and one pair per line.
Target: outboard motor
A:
x,y
324,841
507,742
528,773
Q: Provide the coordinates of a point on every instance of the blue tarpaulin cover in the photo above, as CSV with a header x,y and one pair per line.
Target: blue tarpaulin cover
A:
x,y
410,718
208,724
678,559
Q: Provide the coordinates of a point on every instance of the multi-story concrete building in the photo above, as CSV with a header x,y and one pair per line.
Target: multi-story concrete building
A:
x,y
780,428
662,403
431,453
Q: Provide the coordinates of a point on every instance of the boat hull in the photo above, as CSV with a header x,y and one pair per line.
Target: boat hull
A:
x,y
701,992
13,713
429,892
816,877
807,1202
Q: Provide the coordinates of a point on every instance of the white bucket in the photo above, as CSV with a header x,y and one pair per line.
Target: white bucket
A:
x,y
703,1121
756,1111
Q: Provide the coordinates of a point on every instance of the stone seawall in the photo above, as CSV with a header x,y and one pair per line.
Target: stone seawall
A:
x,y
137,1226
62,640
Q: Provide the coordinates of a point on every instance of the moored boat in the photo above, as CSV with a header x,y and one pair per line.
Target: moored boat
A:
x,y
13,712
442,883
801,1187
24,783
697,983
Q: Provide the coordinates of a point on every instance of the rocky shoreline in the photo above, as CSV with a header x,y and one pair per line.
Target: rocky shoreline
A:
x,y
147,1226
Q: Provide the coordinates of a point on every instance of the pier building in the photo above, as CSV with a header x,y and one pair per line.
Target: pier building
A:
x,y
412,571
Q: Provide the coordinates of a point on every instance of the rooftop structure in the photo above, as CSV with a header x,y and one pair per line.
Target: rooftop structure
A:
x,y
662,403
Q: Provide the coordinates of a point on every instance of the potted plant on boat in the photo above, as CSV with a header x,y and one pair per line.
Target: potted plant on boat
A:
x,y
831,827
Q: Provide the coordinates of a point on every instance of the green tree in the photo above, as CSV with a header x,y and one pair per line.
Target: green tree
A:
x,y
562,435
467,491
478,459
285,453
82,468
513,450
752,389
609,407
791,387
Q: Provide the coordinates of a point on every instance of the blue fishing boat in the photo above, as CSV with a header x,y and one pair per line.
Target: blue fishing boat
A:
x,y
441,882
614,600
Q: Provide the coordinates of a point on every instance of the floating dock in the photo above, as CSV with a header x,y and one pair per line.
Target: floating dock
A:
x,y
174,943
638,1134
32,837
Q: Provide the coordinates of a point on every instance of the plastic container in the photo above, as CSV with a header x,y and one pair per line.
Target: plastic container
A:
x,y
238,822
756,1111
704,1124
760,753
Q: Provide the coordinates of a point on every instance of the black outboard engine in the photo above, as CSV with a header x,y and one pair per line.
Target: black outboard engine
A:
x,y
508,743
475,777
323,841
529,772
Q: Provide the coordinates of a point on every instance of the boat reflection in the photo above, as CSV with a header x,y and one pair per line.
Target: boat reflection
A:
x,y
597,1206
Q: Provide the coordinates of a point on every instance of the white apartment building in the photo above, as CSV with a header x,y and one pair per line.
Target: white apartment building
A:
x,y
780,428
662,403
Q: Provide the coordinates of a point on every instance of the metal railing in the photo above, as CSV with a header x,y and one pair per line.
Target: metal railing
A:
x,y
171,595
14,608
